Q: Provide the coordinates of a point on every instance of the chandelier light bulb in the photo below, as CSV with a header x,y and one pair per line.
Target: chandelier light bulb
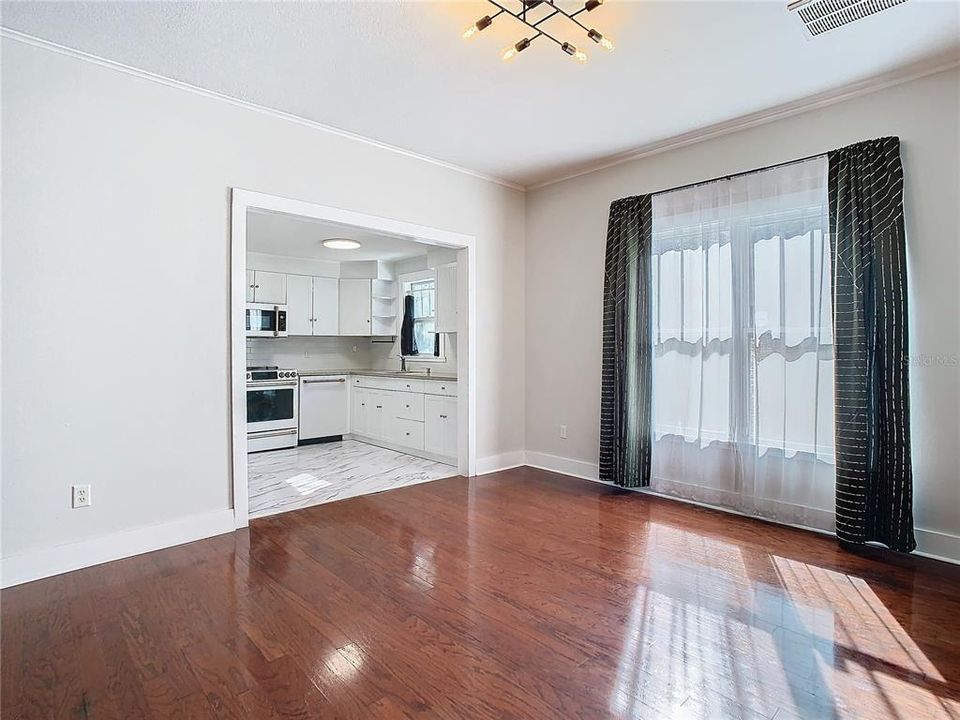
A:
x,y
604,42
580,56
481,24
511,52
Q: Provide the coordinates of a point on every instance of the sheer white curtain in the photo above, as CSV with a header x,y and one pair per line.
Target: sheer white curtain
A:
x,y
743,355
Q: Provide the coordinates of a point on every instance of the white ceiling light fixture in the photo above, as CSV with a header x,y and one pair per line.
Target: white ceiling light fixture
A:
x,y
341,244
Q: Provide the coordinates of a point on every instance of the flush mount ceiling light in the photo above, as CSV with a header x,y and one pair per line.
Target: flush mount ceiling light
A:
x,y
341,244
549,9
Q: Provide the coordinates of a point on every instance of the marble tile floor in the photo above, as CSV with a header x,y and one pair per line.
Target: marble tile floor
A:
x,y
282,480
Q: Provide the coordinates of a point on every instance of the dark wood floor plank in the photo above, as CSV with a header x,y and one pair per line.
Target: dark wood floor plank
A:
x,y
520,594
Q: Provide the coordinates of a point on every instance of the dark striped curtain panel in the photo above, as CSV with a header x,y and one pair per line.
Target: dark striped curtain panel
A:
x,y
871,413
625,400
872,391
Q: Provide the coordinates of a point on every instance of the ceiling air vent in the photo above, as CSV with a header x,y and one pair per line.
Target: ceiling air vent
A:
x,y
820,16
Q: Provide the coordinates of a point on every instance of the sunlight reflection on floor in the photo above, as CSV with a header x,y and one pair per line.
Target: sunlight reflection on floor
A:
x,y
758,634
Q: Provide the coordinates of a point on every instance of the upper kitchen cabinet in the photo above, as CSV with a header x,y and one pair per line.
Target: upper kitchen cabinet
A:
x,y
355,306
326,306
446,321
266,287
299,305
312,305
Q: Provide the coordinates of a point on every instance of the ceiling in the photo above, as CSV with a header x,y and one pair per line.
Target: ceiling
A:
x,y
300,237
399,72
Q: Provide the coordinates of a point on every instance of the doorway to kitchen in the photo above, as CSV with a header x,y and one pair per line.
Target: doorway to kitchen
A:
x,y
353,354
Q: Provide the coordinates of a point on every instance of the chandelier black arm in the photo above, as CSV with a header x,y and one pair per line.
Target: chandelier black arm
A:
x,y
532,26
571,16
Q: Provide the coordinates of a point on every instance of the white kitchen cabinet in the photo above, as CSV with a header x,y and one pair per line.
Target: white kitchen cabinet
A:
x,y
312,305
354,306
367,412
323,407
440,425
403,432
447,310
326,306
358,410
373,423
299,305
251,284
269,287
409,415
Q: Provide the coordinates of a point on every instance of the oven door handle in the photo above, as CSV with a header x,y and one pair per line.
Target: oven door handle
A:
x,y
271,433
261,384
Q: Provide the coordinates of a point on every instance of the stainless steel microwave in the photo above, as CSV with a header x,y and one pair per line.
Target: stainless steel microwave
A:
x,y
265,320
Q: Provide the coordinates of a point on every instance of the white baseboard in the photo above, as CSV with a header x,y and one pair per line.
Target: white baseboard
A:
x,y
19,569
930,543
938,545
565,466
496,463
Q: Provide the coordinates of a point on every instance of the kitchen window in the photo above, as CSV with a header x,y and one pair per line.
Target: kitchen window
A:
x,y
422,286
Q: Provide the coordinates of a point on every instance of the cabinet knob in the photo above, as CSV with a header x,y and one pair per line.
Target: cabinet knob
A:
x,y
408,406
407,433
443,417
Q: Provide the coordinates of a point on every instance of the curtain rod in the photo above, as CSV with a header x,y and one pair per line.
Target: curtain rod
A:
x,y
739,174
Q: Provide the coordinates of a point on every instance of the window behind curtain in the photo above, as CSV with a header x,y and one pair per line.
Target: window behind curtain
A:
x,y
743,354
424,294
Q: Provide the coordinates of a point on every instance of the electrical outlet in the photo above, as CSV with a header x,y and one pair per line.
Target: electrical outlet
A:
x,y
563,432
81,496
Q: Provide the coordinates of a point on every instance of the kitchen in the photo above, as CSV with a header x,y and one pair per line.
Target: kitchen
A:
x,y
351,361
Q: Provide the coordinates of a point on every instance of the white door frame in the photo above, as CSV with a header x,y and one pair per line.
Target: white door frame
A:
x,y
243,200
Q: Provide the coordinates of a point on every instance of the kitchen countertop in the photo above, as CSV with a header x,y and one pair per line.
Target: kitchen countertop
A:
x,y
416,374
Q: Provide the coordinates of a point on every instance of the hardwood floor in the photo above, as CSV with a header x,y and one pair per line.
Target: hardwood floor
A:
x,y
515,595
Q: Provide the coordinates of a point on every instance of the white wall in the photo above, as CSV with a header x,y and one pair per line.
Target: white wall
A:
x,y
566,232
115,286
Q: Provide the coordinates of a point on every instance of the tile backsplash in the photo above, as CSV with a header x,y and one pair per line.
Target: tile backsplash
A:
x,y
310,353
339,353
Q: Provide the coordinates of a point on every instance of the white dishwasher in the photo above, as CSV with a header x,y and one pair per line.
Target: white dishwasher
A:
x,y
323,407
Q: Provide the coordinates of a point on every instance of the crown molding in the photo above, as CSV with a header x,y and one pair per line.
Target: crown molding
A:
x,y
18,36
727,127
779,112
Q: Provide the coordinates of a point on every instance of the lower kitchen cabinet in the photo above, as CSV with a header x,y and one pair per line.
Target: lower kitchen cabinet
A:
x,y
367,412
407,418
440,425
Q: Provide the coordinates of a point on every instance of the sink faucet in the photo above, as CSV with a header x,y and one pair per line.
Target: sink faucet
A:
x,y
403,363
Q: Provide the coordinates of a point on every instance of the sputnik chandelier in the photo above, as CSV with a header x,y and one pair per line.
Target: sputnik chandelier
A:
x,y
536,25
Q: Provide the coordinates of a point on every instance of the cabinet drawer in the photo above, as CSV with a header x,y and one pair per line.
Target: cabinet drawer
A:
x,y
408,405
405,432
404,385
440,387
388,383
